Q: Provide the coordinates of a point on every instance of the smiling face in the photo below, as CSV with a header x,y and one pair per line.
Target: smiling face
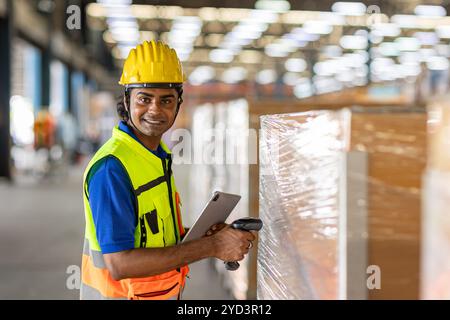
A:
x,y
153,110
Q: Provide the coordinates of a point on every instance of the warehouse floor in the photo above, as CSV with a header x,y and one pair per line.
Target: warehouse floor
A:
x,y
41,236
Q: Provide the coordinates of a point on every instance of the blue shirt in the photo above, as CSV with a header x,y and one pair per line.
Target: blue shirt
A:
x,y
112,201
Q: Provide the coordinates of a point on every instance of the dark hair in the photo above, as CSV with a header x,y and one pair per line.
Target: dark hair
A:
x,y
122,108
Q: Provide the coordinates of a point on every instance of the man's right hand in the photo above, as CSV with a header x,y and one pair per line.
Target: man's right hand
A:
x,y
231,244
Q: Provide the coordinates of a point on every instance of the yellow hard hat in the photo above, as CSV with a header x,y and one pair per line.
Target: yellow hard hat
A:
x,y
152,64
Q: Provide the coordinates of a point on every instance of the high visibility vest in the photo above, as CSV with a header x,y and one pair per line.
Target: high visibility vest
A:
x,y
159,223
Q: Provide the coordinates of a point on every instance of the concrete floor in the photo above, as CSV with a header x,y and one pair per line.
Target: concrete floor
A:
x,y
41,236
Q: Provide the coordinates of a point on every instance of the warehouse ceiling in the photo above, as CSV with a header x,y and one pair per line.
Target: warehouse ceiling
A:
x,y
230,41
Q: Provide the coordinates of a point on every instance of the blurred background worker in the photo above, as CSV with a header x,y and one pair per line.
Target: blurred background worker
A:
x,y
132,207
44,130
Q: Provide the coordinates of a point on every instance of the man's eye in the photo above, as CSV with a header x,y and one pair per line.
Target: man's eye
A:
x,y
144,100
166,101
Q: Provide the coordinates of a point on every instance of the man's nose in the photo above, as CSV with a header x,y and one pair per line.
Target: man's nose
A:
x,y
154,106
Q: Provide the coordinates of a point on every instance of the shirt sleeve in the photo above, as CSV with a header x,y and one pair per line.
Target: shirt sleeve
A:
x,y
112,204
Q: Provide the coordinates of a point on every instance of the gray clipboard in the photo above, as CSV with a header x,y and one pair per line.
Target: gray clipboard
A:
x,y
216,210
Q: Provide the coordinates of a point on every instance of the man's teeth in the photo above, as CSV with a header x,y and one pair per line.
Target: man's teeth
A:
x,y
154,121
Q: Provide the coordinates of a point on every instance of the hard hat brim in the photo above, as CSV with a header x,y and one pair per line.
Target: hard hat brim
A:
x,y
161,85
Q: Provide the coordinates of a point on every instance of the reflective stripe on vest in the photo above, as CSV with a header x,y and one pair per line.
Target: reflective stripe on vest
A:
x,y
159,223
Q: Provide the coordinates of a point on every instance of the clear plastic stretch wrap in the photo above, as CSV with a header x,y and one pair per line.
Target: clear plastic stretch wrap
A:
x,y
436,220
340,200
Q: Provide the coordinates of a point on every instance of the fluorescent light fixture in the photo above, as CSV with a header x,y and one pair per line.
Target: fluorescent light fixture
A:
x,y
361,32
331,51
266,16
126,37
221,56
443,50
124,50
407,44
353,42
183,49
287,44
241,32
426,53
301,35
427,38
332,18
353,59
326,85
409,58
178,38
295,65
234,47
345,76
303,89
389,49
430,11
387,29
234,75
349,8
266,76
443,31
410,69
275,50
317,27
381,65
115,2
183,56
273,5
363,55
325,68
202,74
122,23
437,63
253,26
362,71
405,21
376,36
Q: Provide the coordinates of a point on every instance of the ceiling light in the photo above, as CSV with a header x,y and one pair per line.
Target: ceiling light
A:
x,y
443,31
437,63
273,5
388,49
234,75
221,56
202,74
407,44
430,11
317,27
276,51
427,38
266,76
349,8
353,42
295,65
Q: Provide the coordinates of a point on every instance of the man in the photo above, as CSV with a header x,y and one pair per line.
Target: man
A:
x,y
132,208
